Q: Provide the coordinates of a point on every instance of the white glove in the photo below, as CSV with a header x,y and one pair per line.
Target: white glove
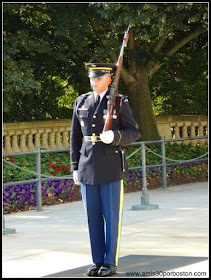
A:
x,y
107,137
75,177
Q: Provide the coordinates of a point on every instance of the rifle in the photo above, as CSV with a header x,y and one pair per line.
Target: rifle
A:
x,y
113,90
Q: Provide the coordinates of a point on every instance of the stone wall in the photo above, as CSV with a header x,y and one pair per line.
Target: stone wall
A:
x,y
23,136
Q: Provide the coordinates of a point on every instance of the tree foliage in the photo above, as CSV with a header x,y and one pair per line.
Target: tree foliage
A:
x,y
36,70
174,91
46,46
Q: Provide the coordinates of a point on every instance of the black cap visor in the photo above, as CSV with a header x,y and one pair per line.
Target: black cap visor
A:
x,y
97,73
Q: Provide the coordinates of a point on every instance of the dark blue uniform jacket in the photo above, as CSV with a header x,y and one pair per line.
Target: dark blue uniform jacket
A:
x,y
100,163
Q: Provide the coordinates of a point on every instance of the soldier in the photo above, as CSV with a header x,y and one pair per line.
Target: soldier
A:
x,y
99,165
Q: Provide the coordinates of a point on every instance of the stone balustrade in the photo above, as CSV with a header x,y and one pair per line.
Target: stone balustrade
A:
x,y
23,136
174,127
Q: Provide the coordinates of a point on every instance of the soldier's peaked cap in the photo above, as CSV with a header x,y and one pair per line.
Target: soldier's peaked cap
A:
x,y
100,69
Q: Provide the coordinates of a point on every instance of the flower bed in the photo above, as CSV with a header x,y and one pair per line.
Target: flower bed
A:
x,y
23,197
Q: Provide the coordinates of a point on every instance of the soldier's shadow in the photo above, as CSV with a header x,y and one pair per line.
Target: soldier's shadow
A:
x,y
138,266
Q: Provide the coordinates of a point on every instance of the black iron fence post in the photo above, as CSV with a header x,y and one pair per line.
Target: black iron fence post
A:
x,y
163,154
145,197
38,177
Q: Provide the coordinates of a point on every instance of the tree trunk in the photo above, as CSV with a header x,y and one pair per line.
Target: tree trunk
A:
x,y
141,104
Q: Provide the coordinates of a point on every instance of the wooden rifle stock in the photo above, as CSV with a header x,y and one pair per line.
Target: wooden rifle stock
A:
x,y
113,90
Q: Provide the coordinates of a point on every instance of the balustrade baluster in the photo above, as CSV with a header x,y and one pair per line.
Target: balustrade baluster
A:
x,y
37,138
51,139
185,134
58,138
44,142
65,141
15,146
30,144
193,134
7,144
23,146
177,134
201,133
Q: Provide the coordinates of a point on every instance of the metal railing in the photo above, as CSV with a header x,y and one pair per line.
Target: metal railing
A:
x,y
38,174
144,198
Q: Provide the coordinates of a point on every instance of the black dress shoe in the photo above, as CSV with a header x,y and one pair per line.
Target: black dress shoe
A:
x,y
107,269
93,269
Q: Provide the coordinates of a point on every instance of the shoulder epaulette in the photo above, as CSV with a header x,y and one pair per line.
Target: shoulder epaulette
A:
x,y
81,98
88,93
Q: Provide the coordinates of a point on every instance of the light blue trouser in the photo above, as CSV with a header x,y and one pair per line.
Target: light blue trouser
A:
x,y
104,203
